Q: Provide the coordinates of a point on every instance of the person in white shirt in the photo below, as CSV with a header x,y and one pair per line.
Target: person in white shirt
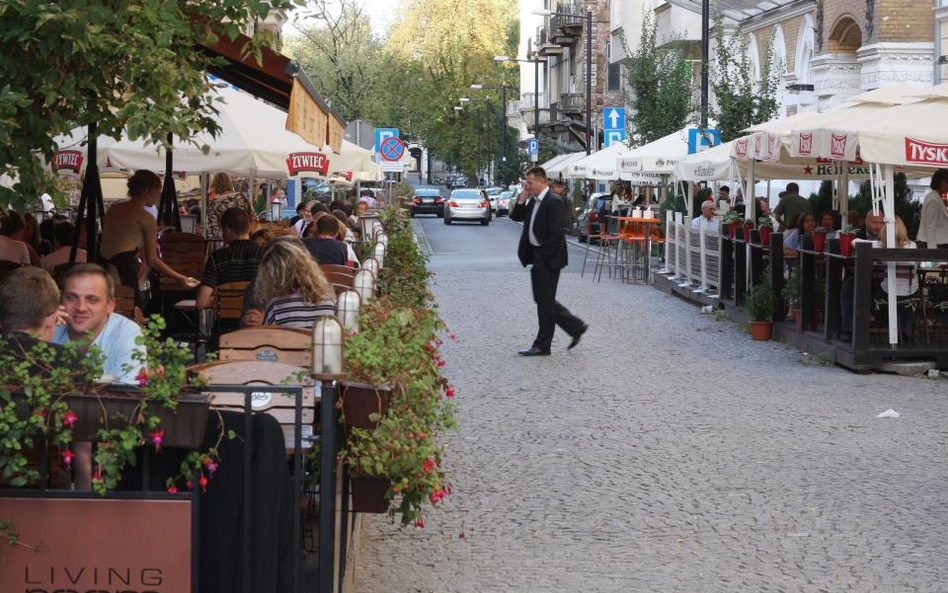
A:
x,y
63,234
707,213
933,225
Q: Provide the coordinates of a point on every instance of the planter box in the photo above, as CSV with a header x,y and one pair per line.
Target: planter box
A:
x,y
360,400
761,331
368,494
184,427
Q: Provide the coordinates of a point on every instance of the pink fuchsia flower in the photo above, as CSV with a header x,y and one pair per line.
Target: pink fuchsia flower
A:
x,y
428,465
156,438
440,363
449,391
69,419
211,466
67,456
421,435
202,482
420,523
189,484
453,338
160,372
172,489
142,379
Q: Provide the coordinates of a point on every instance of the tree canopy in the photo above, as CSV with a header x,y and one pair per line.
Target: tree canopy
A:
x,y
124,64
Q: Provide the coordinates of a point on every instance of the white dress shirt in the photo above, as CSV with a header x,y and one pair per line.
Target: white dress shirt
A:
x,y
533,216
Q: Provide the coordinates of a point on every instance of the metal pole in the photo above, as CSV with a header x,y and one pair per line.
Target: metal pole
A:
x,y
327,487
503,142
487,103
477,158
536,101
705,53
589,50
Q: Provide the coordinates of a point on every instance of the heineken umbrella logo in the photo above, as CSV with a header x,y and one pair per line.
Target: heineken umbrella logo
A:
x,y
308,162
68,160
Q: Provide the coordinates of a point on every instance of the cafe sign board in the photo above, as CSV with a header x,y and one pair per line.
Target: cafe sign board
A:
x,y
100,545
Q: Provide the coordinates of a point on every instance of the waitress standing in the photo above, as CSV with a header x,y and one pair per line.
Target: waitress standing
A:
x,y
933,226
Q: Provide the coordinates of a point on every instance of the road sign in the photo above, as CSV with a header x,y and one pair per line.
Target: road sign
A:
x,y
613,118
698,140
614,136
533,149
392,167
381,134
392,149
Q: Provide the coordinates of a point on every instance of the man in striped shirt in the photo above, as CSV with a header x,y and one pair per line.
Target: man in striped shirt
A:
x,y
236,262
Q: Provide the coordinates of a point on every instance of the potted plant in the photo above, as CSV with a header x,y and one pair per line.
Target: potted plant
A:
x,y
846,237
748,227
732,220
55,396
762,309
791,294
766,226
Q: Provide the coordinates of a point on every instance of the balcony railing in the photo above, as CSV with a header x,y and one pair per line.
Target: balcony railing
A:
x,y
572,102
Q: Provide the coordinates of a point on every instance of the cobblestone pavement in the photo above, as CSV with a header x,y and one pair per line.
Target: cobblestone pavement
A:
x,y
666,453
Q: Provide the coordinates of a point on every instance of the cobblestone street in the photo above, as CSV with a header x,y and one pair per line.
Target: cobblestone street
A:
x,y
667,453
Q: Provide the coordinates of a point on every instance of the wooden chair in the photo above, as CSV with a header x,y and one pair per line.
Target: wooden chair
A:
x,y
185,253
270,343
277,404
125,304
333,268
340,278
229,300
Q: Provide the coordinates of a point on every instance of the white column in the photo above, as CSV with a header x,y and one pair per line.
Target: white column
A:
x,y
688,273
889,212
669,241
844,193
703,251
677,243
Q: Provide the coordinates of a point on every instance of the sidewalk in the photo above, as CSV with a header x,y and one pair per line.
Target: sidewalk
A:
x,y
666,453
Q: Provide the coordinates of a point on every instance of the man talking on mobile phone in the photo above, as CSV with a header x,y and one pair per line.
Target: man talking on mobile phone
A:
x,y
543,244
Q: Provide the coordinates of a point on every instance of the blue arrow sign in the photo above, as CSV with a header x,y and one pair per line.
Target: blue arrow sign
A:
x,y
613,118
381,134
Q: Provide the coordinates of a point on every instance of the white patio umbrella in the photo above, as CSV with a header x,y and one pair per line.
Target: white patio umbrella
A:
x,y
253,142
658,157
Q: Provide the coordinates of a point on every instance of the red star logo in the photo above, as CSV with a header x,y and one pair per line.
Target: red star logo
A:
x,y
808,170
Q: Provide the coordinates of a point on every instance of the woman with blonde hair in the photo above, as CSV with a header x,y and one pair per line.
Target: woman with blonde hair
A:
x,y
224,197
906,279
290,282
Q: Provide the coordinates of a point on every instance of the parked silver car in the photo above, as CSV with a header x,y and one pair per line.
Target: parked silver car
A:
x,y
467,204
503,202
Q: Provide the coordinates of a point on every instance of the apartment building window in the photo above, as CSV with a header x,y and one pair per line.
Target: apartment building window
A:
x,y
615,76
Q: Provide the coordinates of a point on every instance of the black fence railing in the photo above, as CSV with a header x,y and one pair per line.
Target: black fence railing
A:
x,y
842,300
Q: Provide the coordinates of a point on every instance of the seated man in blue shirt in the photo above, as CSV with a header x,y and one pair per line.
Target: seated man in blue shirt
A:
x,y
88,297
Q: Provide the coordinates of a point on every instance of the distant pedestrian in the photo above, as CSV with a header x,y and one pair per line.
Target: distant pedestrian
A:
x,y
543,244
558,187
790,204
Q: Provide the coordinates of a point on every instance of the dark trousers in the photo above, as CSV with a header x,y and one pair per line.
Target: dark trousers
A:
x,y
550,313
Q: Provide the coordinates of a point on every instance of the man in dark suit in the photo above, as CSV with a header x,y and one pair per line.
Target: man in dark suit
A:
x,y
543,244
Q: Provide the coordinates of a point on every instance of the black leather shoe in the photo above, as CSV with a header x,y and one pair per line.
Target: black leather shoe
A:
x,y
534,351
577,338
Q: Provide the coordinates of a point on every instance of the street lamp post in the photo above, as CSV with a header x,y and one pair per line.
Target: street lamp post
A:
x,y
503,128
536,89
487,105
705,52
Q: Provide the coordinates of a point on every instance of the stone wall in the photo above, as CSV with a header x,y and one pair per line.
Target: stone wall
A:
x,y
901,21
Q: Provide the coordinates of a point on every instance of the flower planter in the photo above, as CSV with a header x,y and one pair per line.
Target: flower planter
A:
x,y
761,331
732,229
184,427
819,242
765,235
360,400
368,494
846,243
748,227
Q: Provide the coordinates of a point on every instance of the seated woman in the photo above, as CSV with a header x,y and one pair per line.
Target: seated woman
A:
x,y
129,228
290,282
793,241
827,224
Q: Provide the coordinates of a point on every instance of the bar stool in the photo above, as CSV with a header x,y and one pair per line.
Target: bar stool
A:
x,y
609,251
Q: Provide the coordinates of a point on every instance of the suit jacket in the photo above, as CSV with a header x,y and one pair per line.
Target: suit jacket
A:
x,y
549,229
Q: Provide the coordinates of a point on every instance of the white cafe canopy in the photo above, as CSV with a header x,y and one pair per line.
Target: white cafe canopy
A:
x,y
563,161
656,158
553,161
600,165
253,142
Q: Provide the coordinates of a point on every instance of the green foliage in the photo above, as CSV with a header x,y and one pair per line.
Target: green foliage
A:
x,y
124,64
822,200
762,299
741,100
399,346
671,203
765,221
344,59
792,288
662,83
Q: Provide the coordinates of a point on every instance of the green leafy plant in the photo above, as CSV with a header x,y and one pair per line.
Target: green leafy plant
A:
x,y
765,222
732,217
762,299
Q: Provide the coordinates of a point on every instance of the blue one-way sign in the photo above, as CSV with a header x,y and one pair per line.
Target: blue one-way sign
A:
x,y
613,118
